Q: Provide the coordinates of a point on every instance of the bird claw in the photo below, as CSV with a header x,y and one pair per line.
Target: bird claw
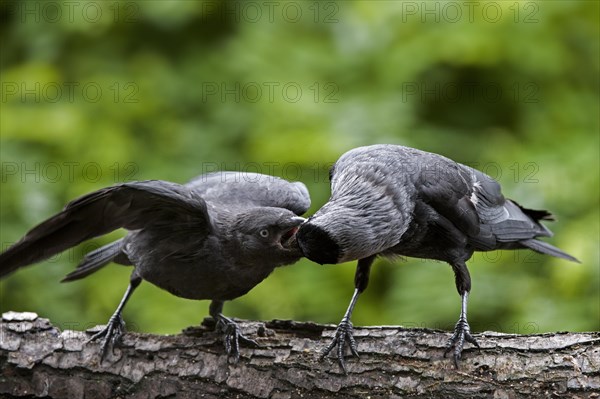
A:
x,y
112,333
232,336
462,333
344,334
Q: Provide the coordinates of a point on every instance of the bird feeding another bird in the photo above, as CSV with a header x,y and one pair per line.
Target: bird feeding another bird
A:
x,y
389,200
214,238
223,233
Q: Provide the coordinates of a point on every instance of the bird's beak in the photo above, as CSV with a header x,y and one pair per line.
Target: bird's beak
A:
x,y
297,220
287,237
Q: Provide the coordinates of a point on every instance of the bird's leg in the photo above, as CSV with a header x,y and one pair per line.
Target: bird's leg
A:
x,y
116,326
231,331
344,334
462,331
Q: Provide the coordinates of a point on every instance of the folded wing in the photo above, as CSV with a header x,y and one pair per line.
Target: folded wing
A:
x,y
474,204
246,189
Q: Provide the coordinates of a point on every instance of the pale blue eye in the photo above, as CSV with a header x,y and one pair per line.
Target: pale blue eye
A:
x,y
264,233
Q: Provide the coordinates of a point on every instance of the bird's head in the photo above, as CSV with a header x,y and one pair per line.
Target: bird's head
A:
x,y
269,233
342,232
318,244
335,234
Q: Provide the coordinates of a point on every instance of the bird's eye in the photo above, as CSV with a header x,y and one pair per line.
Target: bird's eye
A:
x,y
264,233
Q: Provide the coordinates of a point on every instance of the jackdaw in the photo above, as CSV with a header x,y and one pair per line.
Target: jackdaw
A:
x,y
391,200
213,238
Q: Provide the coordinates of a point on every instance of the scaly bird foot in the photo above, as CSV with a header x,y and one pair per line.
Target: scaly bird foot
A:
x,y
232,336
344,334
462,333
112,333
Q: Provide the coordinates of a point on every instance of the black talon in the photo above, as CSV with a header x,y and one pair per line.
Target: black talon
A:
x,y
115,328
232,335
112,333
462,333
344,334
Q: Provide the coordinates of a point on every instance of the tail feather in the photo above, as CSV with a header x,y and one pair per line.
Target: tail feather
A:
x,y
540,246
536,214
95,260
545,248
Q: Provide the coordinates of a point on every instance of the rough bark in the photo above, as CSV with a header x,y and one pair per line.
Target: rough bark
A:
x,y
38,360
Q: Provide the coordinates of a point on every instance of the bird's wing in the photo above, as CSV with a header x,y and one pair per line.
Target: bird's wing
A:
x,y
446,187
502,218
246,189
473,202
134,205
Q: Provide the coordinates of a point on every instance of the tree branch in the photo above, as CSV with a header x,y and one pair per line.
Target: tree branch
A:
x,y
39,360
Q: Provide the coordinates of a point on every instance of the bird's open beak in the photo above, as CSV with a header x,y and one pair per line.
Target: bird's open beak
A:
x,y
288,235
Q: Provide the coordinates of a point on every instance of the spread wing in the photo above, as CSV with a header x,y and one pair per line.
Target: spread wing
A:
x,y
145,204
251,189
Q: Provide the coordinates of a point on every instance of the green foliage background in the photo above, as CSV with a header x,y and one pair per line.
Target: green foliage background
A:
x,y
189,86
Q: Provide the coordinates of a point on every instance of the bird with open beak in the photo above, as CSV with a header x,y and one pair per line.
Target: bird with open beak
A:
x,y
214,238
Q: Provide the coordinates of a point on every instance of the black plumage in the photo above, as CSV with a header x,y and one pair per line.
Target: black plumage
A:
x,y
214,238
393,200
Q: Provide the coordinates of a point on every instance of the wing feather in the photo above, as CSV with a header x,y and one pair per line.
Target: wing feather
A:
x,y
244,189
134,205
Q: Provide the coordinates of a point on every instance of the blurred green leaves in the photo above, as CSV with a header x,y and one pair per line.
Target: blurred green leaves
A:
x,y
95,93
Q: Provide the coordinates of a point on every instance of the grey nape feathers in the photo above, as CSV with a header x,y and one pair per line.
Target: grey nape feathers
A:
x,y
393,200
